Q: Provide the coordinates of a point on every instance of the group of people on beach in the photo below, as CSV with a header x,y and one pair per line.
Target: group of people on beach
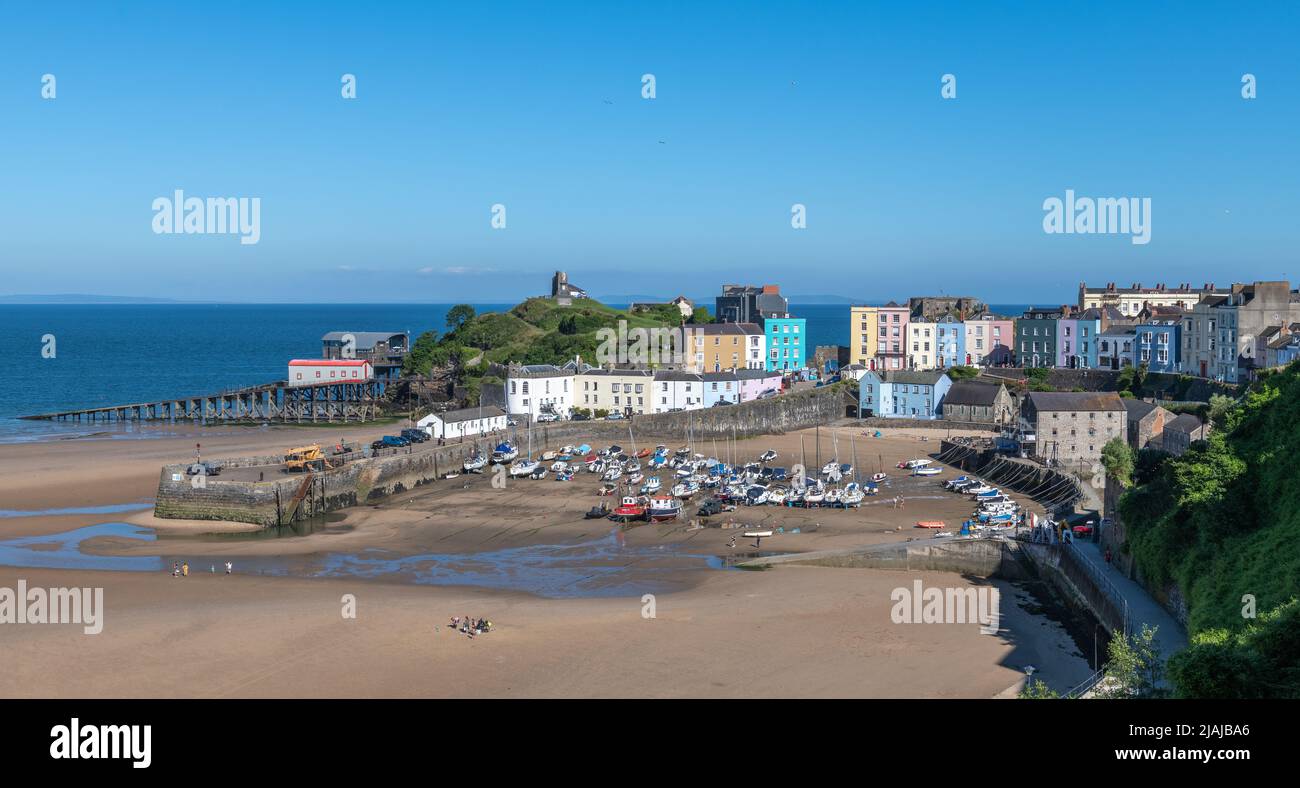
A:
x,y
182,568
471,626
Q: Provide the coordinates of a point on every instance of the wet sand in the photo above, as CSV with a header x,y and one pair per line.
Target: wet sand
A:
x,y
790,631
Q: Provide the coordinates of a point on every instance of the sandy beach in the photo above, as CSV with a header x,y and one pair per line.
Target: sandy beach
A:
x,y
565,626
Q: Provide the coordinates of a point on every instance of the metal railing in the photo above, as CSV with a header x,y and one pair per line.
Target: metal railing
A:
x,y
1104,584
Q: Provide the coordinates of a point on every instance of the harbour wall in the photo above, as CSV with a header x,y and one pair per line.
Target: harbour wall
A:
x,y
282,498
985,557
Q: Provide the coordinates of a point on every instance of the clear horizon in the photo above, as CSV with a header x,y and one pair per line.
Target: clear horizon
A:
x,y
837,108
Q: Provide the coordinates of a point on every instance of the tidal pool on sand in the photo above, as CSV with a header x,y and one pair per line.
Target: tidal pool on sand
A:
x,y
607,566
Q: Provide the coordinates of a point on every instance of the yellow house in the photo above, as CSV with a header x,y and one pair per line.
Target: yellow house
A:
x,y
715,347
624,390
864,322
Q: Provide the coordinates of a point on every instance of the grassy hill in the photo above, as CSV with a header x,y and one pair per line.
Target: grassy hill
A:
x,y
537,331
1223,523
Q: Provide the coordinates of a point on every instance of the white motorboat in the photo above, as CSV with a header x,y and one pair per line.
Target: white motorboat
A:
x,y
927,470
767,456
613,474
815,495
756,495
559,466
476,463
505,452
651,485
832,497
852,494
523,467
685,489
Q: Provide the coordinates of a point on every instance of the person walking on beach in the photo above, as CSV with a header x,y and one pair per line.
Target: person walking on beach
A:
x,y
185,569
176,569
228,567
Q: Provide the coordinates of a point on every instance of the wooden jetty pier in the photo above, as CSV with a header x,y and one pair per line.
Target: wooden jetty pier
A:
x,y
280,402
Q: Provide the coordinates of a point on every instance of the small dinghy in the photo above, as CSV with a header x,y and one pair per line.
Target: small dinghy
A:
x,y
932,524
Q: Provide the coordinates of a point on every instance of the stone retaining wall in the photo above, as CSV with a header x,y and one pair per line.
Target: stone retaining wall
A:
x,y
271,502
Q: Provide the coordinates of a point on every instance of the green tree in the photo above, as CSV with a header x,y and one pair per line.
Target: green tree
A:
x,y
963,373
459,315
420,360
1134,668
700,315
1037,689
1118,459
1221,406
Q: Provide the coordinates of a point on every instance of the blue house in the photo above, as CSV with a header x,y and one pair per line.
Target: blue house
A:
x,y
720,386
906,394
1088,328
950,340
787,342
1159,338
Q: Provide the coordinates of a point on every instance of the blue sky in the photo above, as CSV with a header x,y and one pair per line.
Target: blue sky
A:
x,y
538,107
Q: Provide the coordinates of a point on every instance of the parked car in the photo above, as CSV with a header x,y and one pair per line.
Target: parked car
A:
x,y
721,402
203,469
547,417
767,394
419,436
395,440
582,417
615,416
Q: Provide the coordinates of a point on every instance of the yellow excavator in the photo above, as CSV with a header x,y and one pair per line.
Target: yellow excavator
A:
x,y
305,458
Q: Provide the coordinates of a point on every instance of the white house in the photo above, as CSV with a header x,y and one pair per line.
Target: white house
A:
x,y
534,389
312,372
469,422
674,390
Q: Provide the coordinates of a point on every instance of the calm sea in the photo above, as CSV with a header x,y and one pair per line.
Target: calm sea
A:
x,y
118,354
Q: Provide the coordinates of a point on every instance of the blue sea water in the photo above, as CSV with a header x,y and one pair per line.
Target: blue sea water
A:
x,y
114,354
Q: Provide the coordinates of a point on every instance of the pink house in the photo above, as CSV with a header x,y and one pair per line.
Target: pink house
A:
x,y
753,382
891,342
988,341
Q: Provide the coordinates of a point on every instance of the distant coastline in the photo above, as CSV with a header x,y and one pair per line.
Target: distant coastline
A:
x,y
82,298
